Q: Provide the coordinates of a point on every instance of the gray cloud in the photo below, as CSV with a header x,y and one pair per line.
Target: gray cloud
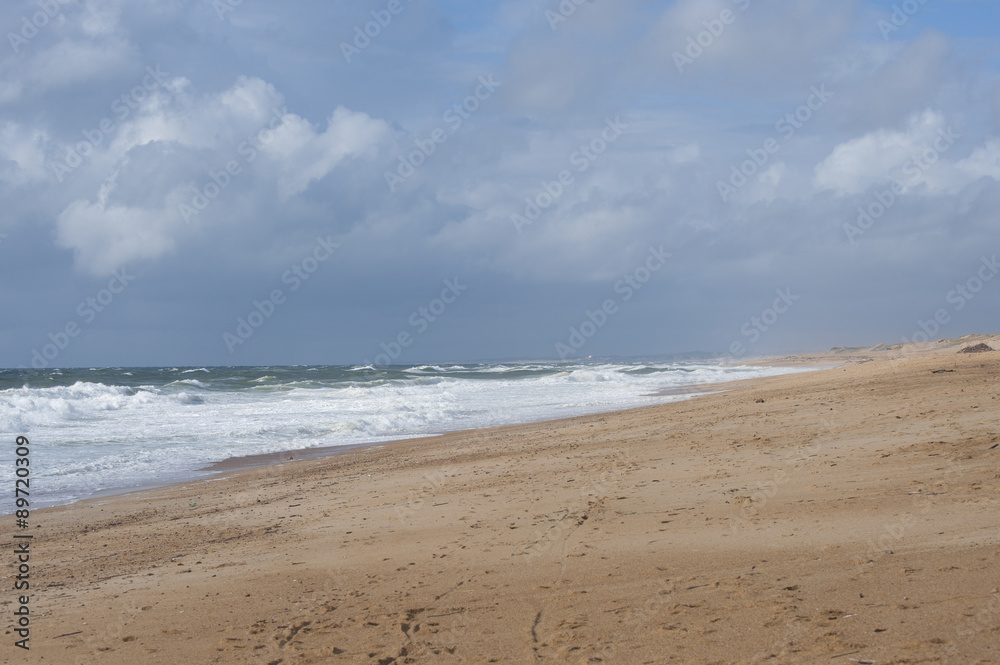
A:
x,y
170,190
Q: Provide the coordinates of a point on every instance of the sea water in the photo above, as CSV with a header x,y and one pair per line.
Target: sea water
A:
x,y
100,429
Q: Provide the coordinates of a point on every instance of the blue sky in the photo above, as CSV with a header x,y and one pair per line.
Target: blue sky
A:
x,y
212,154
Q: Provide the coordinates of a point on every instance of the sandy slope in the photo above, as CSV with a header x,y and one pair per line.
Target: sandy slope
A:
x,y
850,516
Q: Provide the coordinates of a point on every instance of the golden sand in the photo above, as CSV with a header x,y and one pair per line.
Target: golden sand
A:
x,y
841,516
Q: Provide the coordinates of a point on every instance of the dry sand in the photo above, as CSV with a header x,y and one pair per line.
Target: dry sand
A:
x,y
841,516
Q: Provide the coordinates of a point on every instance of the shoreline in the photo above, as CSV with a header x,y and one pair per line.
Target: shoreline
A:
x,y
790,519
245,462
232,468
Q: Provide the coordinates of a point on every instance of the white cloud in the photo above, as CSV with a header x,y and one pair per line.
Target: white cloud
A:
x,y
746,40
883,84
766,186
304,155
100,19
183,137
919,155
685,154
22,154
876,157
177,115
983,162
67,63
106,236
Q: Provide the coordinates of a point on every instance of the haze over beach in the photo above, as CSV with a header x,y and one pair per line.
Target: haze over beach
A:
x,y
521,331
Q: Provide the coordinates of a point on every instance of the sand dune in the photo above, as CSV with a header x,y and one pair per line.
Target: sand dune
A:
x,y
844,516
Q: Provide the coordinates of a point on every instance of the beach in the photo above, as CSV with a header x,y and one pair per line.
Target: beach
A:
x,y
841,515
111,430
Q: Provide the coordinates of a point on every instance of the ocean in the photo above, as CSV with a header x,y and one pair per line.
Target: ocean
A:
x,y
99,430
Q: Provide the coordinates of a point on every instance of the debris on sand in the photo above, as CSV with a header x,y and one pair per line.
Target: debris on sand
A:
x,y
978,348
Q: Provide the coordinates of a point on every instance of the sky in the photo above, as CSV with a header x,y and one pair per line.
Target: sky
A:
x,y
241,182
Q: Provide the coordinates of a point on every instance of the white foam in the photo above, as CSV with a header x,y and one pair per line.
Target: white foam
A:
x,y
90,436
